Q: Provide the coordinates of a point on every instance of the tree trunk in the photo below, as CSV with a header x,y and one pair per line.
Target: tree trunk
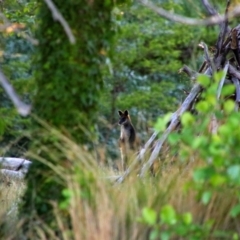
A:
x,y
69,83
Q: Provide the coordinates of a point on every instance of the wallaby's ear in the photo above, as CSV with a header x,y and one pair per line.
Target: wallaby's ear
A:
x,y
120,113
126,112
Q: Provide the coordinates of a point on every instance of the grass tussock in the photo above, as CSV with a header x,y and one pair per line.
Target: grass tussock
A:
x,y
10,195
95,207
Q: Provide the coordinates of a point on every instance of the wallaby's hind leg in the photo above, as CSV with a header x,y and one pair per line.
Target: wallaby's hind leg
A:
x,y
122,159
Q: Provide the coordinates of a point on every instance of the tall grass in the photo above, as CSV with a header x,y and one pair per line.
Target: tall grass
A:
x,y
96,207
10,196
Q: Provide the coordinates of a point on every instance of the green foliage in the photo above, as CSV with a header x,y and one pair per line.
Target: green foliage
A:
x,y
68,86
171,224
142,72
15,58
70,73
218,151
72,82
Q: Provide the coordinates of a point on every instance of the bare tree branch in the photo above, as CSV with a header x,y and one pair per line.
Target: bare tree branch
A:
x,y
12,174
15,164
237,86
174,122
210,9
213,20
233,71
138,159
220,86
58,17
224,30
22,108
207,55
191,73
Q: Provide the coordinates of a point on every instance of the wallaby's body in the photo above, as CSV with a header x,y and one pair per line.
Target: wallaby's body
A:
x,y
127,136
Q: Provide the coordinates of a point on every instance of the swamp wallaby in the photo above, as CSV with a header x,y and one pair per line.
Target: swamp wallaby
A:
x,y
127,136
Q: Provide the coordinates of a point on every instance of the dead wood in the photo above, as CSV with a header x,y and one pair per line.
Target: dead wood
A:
x,y
210,9
14,168
12,175
228,40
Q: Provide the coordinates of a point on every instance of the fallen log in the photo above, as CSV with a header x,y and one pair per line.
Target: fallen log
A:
x,y
14,168
13,175
15,164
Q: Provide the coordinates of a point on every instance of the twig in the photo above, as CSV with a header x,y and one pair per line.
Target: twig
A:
x,y
234,43
233,71
213,20
237,86
210,9
203,67
207,56
58,17
223,31
235,78
138,158
22,108
175,121
191,73
220,86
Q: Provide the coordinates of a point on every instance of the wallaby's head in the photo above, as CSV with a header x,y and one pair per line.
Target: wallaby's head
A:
x,y
124,117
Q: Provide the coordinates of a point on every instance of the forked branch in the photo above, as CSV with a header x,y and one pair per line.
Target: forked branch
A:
x,y
58,16
213,20
22,108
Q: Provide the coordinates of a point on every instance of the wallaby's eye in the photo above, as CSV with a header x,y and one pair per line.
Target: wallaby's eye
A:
x,y
122,120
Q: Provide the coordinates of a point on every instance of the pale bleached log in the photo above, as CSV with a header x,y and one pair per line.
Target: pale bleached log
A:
x,y
16,175
15,164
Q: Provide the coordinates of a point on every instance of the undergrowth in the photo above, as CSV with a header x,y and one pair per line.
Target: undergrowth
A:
x,y
196,196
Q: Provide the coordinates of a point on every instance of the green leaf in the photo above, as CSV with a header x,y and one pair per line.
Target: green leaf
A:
x,y
206,196
225,131
235,236
187,218
67,193
149,216
173,138
202,174
228,90
217,180
187,119
203,80
168,215
228,106
154,234
203,106
234,172
235,211
161,123
165,235
218,75
198,142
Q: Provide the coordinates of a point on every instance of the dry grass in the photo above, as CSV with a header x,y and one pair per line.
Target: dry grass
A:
x,y
10,195
113,210
103,210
